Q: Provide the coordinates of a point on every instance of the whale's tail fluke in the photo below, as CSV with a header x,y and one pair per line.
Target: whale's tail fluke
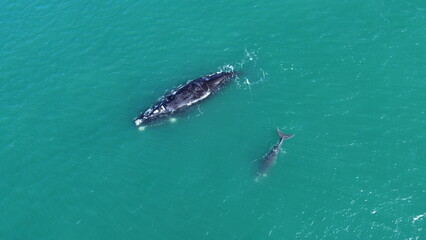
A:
x,y
284,136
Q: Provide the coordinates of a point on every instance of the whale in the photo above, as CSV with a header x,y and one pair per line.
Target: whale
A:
x,y
183,97
269,159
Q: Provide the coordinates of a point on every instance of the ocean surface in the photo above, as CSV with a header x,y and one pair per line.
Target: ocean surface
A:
x,y
348,78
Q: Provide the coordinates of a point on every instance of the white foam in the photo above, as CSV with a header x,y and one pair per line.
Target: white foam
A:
x,y
418,217
226,68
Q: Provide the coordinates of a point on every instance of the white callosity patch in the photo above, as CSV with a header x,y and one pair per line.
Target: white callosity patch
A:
x,y
138,122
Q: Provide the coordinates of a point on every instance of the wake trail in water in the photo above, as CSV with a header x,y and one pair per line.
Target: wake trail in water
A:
x,y
248,64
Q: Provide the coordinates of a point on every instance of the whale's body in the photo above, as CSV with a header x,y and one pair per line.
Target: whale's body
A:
x,y
269,160
184,96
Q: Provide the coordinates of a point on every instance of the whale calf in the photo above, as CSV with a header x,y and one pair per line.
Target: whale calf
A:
x,y
184,96
270,158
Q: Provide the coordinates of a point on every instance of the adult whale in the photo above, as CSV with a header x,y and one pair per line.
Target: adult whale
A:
x,y
270,158
184,96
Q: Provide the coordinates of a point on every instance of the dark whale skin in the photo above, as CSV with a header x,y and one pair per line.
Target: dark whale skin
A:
x,y
270,158
184,96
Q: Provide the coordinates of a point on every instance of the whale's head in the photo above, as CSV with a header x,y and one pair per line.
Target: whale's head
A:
x,y
138,122
149,115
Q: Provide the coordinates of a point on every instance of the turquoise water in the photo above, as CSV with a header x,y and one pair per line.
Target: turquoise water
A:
x,y
347,77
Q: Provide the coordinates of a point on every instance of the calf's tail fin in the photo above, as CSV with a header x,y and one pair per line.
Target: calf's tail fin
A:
x,y
284,136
